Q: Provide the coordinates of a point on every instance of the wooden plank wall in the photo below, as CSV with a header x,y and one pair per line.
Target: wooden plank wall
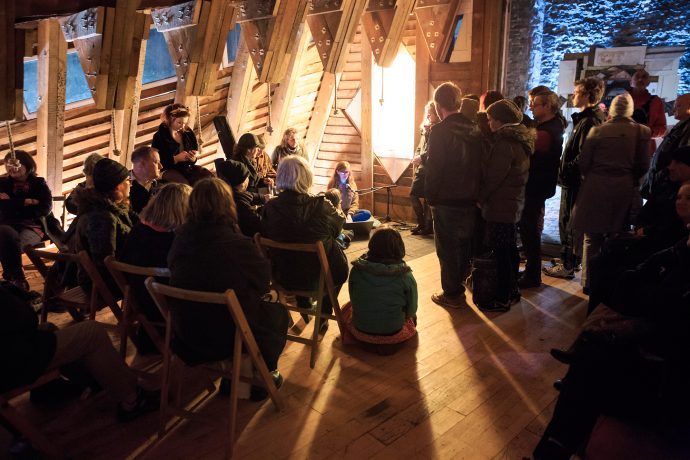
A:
x,y
87,129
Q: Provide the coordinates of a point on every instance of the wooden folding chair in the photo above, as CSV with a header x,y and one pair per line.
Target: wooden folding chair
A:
x,y
75,299
325,285
161,294
24,426
131,313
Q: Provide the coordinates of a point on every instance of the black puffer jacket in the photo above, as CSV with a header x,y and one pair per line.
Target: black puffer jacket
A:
x,y
294,217
453,166
569,173
543,167
14,213
505,174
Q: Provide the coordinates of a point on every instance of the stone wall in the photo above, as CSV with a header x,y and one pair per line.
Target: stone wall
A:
x,y
545,30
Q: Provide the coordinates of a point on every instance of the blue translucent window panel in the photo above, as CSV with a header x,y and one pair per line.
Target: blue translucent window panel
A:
x,y
232,42
77,89
157,64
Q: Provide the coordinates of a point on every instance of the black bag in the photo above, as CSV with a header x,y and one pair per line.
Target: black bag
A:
x,y
484,279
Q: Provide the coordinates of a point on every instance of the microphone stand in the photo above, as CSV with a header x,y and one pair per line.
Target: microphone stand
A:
x,y
389,200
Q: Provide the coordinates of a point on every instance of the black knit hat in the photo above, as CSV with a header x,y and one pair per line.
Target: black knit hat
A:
x,y
249,141
505,111
108,174
682,155
233,172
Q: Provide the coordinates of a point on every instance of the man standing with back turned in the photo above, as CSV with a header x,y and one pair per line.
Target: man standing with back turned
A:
x,y
453,172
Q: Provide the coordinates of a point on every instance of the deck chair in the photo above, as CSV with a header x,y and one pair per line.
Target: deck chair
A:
x,y
131,313
24,426
325,285
161,294
76,300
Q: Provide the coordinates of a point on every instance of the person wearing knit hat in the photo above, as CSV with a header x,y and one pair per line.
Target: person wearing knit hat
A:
x,y
236,174
613,160
105,217
504,111
502,197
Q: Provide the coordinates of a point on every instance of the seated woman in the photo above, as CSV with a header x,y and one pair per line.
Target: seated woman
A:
x,y
209,255
639,372
296,216
24,199
149,243
247,151
27,352
343,180
89,164
383,292
178,147
105,218
288,146
236,175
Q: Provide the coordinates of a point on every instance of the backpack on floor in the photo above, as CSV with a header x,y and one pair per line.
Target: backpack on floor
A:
x,y
484,279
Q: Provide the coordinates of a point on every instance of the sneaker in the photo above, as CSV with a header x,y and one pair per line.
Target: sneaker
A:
x,y
417,230
147,401
447,301
559,271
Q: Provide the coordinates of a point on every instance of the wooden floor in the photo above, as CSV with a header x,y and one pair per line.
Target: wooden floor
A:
x,y
472,386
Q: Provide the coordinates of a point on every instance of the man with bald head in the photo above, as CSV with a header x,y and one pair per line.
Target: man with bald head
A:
x,y
657,181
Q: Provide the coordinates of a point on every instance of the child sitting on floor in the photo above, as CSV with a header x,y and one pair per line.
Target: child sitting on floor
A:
x,y
383,292
345,237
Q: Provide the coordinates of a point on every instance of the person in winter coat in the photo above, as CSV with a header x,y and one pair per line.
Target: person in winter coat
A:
x,y
247,151
296,216
383,291
208,254
24,199
422,210
288,146
588,93
455,155
105,218
502,195
541,183
178,147
614,158
236,175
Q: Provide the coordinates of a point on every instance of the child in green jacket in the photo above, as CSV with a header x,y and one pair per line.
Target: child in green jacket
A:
x,y
383,292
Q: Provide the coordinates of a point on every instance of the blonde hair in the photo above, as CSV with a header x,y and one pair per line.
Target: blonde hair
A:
x,y
335,179
212,201
294,174
287,134
622,106
168,208
431,105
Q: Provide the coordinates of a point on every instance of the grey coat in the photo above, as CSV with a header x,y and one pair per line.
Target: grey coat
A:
x,y
502,193
614,157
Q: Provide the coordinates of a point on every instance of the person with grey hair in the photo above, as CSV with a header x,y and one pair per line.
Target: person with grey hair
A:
x,y
89,164
296,216
614,158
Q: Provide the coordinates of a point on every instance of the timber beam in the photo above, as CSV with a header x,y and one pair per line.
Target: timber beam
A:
x,y
436,18
384,23
269,28
333,24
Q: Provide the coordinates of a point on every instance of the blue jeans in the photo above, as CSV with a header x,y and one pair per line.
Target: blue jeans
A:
x,y
453,232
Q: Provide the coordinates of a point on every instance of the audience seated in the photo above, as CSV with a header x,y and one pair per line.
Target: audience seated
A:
x,y
150,240
24,199
105,218
345,237
178,147
209,254
27,351
264,166
288,146
146,170
633,363
383,292
343,180
71,200
247,151
296,216
236,175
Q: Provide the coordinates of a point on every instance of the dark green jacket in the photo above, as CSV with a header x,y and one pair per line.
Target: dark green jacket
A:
x,y
382,296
